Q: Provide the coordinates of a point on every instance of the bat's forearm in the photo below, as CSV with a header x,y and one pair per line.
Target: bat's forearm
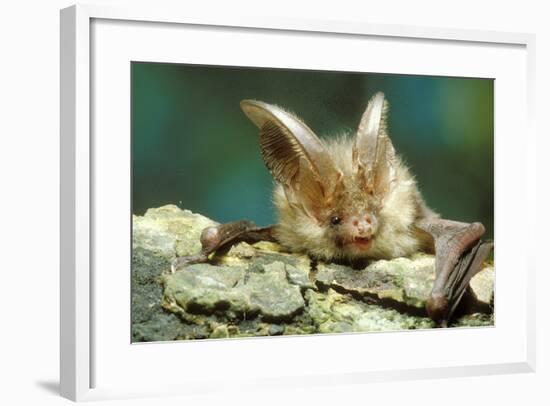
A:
x,y
215,237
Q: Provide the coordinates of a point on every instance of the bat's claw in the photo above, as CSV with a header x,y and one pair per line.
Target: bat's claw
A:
x,y
181,262
437,308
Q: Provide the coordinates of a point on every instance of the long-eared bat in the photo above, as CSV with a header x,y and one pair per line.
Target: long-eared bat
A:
x,y
350,199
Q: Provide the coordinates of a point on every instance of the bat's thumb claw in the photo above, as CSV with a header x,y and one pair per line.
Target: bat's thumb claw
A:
x,y
174,266
437,308
181,262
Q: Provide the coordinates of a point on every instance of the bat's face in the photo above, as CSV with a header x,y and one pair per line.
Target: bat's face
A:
x,y
353,232
348,229
353,221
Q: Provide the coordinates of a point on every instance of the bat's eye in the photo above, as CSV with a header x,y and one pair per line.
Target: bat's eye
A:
x,y
335,220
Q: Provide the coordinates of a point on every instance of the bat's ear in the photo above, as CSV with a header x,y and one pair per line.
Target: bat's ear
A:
x,y
373,152
295,157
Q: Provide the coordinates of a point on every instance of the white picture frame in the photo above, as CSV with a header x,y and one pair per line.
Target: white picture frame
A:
x,y
78,350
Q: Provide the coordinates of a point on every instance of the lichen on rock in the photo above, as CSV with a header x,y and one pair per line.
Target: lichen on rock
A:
x,y
260,290
233,291
403,282
333,312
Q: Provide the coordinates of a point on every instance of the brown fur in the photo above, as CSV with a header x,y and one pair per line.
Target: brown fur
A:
x,y
395,233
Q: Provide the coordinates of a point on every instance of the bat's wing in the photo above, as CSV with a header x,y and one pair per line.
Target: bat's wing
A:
x,y
459,255
216,237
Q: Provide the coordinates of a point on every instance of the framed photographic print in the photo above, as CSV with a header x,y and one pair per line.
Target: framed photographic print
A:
x,y
251,193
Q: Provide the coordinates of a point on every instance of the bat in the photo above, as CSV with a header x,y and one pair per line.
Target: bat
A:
x,y
352,198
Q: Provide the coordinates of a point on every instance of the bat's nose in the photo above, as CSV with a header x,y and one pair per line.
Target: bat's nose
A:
x,y
362,225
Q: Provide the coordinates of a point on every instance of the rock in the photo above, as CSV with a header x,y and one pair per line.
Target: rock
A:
x,y
259,289
168,230
156,237
299,276
206,289
401,282
475,320
333,312
272,294
483,284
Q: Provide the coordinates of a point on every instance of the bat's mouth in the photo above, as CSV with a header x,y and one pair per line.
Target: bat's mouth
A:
x,y
362,243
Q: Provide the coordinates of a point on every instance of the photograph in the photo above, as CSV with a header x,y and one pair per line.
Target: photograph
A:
x,y
277,202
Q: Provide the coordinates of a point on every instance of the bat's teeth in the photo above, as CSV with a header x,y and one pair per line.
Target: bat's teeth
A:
x,y
363,240
362,243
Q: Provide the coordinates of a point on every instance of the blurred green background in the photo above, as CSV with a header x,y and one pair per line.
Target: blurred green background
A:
x,y
193,146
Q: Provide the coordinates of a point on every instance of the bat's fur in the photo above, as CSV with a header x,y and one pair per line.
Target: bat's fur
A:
x,y
395,235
